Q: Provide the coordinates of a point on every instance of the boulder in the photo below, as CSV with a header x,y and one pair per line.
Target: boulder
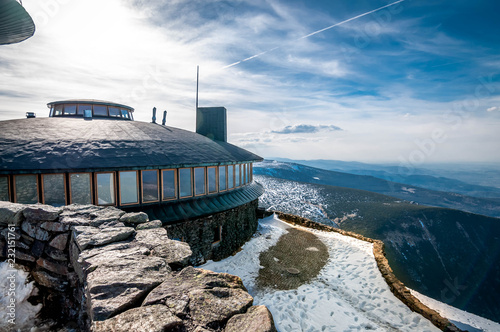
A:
x,y
40,212
34,231
91,236
213,307
54,226
155,318
11,213
56,254
176,253
52,267
174,290
134,218
149,225
106,215
256,319
114,285
46,279
59,242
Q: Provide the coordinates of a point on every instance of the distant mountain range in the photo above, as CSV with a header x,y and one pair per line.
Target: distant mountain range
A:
x,y
452,256
410,192
477,180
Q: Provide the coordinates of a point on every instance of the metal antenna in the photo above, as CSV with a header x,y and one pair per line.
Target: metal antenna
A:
x,y
197,82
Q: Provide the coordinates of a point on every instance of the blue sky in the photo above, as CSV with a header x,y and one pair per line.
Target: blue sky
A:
x,y
416,82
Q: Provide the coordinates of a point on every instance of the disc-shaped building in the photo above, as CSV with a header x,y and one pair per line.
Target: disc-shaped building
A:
x,y
93,152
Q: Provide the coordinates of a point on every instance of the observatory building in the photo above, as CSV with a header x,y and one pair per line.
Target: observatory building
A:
x,y
93,152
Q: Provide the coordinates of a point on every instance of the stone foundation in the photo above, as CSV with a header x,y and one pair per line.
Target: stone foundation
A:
x,y
101,269
236,226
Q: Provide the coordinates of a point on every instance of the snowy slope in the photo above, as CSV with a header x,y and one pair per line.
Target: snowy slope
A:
x,y
349,293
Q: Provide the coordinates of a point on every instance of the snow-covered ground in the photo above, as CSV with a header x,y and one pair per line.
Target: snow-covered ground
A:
x,y
349,294
462,319
14,293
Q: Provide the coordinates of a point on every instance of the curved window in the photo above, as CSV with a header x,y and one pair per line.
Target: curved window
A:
x,y
114,112
26,189
222,178
100,110
212,179
230,177
105,183
4,188
125,114
237,175
58,110
54,189
149,186
84,107
185,183
169,184
70,109
128,188
80,188
199,181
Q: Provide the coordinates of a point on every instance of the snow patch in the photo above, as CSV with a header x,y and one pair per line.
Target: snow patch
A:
x,y
409,190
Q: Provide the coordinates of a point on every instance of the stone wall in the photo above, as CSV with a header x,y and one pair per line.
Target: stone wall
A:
x,y
101,269
236,226
395,285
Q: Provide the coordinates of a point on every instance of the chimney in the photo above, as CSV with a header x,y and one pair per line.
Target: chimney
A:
x,y
164,121
154,115
212,123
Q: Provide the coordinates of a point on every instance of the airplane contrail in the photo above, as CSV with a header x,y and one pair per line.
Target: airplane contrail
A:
x,y
314,33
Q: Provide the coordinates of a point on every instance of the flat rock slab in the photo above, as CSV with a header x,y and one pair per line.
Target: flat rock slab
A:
x,y
213,307
256,319
149,225
175,252
155,318
178,283
41,212
11,213
134,218
114,285
92,236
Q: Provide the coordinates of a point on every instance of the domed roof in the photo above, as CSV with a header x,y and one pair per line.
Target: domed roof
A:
x,y
74,144
16,24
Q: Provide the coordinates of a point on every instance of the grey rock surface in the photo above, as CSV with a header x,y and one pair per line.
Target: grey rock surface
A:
x,y
92,236
256,319
134,218
175,252
155,318
11,213
41,212
149,225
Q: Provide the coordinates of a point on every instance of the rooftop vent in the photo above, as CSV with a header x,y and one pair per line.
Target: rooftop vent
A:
x,y
30,115
212,123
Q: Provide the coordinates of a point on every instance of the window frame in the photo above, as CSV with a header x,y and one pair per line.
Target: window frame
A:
x,y
64,109
157,186
97,188
137,188
64,185
37,187
98,105
204,182
216,180
250,179
237,166
176,186
227,177
8,186
70,197
192,181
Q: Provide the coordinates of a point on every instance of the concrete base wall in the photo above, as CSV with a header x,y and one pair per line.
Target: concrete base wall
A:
x,y
236,226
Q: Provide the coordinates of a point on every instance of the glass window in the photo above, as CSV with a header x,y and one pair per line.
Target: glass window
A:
x,y
236,175
212,180
83,107
4,188
80,188
185,184
149,186
26,189
168,185
251,172
199,181
70,109
105,188
125,114
114,111
54,189
51,111
58,110
243,174
230,177
100,110
128,188
222,178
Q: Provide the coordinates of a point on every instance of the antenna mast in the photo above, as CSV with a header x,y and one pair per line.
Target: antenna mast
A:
x,y
197,82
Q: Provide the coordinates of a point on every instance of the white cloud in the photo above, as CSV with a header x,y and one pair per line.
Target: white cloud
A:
x,y
492,109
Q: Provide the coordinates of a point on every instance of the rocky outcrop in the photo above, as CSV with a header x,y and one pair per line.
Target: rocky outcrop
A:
x,y
113,271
